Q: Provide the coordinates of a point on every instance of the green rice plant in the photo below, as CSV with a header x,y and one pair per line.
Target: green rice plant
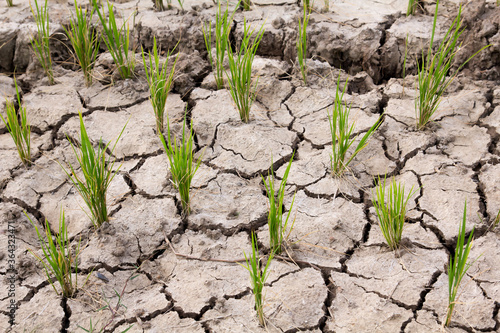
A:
x,y
40,42
222,30
59,258
458,266
302,43
117,41
18,127
84,39
241,85
497,218
307,4
158,5
181,160
257,277
10,3
96,174
433,78
342,133
181,3
391,210
327,5
160,81
245,4
412,4
277,227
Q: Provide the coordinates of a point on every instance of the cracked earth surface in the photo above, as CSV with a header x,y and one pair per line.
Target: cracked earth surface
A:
x,y
338,274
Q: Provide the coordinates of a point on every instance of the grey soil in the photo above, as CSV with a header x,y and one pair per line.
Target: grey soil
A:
x,y
338,275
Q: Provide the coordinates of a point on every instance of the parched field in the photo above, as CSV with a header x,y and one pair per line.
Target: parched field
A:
x,y
158,270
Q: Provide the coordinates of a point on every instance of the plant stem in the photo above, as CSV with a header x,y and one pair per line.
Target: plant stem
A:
x,y
40,43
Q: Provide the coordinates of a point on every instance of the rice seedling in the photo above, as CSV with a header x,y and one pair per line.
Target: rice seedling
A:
x,y
240,65
412,4
181,3
18,127
222,30
391,210
84,39
10,3
246,4
433,78
257,277
96,174
327,5
302,43
342,131
117,41
158,5
277,227
40,42
458,266
59,258
160,81
181,160
307,4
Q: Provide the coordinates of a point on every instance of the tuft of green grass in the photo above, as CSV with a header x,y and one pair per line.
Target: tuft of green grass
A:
x,y
257,277
117,41
245,4
307,4
277,226
342,134
10,3
241,85
40,42
458,265
59,258
160,82
302,43
181,3
412,4
222,30
158,5
433,74
391,210
84,39
95,176
181,160
18,127
327,5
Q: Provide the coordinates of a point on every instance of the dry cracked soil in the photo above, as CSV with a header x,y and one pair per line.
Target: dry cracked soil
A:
x,y
338,274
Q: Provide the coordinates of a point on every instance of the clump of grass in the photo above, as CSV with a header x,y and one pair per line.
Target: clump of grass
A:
x,y
158,5
84,39
327,5
10,3
40,42
245,4
391,210
18,127
117,41
160,81
222,30
458,266
59,258
181,3
241,85
342,132
307,4
277,226
433,78
257,277
181,160
302,43
96,174
412,4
